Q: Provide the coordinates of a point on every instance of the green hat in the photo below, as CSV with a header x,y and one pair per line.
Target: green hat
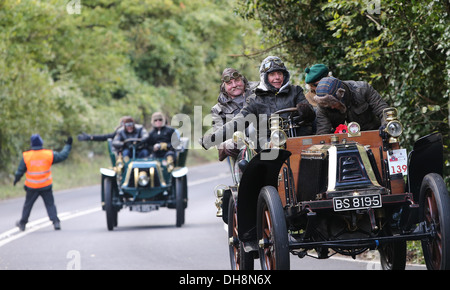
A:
x,y
315,73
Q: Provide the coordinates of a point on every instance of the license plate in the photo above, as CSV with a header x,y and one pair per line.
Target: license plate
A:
x,y
144,207
356,202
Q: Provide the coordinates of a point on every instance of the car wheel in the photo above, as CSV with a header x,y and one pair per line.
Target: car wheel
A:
x,y
393,256
272,231
434,208
239,259
180,203
111,212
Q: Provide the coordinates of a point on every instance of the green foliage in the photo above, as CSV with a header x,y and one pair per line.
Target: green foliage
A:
x,y
63,73
401,47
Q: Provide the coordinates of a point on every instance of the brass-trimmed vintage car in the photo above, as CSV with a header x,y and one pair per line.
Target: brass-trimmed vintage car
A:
x,y
144,184
338,193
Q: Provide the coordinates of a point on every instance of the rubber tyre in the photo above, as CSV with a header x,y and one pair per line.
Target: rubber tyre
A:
x,y
393,256
111,212
180,202
434,209
271,231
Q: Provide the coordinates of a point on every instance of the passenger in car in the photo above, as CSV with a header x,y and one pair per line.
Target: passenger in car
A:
x,y
347,101
163,139
234,90
313,76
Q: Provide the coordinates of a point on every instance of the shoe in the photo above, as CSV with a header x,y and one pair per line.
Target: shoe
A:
x,y
57,225
20,226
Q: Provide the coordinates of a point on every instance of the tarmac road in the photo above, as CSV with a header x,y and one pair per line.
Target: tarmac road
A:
x,y
142,241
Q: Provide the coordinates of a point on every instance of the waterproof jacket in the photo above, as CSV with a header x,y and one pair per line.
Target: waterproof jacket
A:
x,y
364,106
36,164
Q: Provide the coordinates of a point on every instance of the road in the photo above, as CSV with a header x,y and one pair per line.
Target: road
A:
x,y
141,240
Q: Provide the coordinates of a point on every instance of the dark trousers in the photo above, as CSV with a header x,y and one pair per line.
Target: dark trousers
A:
x,y
49,201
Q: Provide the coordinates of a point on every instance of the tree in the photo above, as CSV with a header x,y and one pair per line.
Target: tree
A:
x,y
65,69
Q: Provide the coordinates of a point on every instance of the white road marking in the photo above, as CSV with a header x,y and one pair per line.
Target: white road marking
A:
x,y
212,178
15,233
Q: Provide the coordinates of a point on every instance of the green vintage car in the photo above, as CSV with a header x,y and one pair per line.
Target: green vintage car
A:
x,y
144,184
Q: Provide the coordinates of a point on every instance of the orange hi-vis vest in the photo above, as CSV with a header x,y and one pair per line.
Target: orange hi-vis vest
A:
x,y
38,164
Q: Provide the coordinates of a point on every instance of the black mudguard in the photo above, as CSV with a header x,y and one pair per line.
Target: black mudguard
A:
x,y
426,157
261,171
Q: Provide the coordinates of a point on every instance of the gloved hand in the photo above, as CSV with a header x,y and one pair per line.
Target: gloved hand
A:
x,y
69,140
228,148
16,179
306,112
84,137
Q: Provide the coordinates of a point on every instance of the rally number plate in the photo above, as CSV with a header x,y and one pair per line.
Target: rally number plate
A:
x,y
356,202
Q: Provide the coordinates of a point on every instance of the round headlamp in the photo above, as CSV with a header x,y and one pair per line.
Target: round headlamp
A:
x,y
143,178
394,128
278,138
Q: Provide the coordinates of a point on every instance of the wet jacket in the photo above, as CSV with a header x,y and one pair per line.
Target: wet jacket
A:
x,y
364,105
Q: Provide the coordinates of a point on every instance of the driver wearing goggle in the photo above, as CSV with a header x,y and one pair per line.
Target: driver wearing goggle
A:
x,y
271,63
131,130
232,76
129,126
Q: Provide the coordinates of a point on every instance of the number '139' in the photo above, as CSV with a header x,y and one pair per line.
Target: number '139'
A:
x,y
398,169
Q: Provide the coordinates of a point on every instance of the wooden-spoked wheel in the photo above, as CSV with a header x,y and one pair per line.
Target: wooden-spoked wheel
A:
x,y
239,259
271,230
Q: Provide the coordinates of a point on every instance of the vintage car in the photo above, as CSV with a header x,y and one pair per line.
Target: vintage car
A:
x,y
338,193
145,184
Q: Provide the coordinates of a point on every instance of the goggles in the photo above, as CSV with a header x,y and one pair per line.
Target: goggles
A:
x,y
129,124
269,64
156,120
234,75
